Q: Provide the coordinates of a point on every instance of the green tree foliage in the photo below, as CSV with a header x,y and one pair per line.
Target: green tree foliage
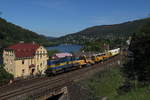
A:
x,y
93,46
146,28
112,32
52,52
101,45
137,68
4,75
10,34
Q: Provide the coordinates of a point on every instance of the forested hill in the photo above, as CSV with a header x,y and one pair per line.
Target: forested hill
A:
x,y
10,34
110,32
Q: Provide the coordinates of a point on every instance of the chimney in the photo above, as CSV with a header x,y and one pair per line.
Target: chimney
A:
x,y
21,42
33,42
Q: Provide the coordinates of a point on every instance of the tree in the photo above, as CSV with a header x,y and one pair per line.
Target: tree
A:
x,y
11,34
52,52
137,68
93,46
5,77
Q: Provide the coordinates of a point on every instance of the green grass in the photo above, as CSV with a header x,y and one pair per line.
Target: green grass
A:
x,y
106,83
138,94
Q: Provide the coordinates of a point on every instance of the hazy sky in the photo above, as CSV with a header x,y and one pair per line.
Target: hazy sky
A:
x,y
60,17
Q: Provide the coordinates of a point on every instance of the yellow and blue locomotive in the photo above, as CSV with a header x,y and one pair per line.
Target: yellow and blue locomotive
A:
x,y
69,63
64,64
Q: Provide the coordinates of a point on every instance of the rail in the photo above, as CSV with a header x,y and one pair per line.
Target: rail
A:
x,y
55,82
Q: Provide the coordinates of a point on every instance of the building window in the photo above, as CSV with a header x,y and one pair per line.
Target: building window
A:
x,y
11,61
23,71
22,61
38,67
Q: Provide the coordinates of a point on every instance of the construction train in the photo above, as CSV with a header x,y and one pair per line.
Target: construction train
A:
x,y
74,62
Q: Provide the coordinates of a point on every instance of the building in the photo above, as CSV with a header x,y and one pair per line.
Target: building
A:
x,y
24,59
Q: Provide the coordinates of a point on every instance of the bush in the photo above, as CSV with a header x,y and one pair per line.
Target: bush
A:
x,y
137,68
52,52
5,77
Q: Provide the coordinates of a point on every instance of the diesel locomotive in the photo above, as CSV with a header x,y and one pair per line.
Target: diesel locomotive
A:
x,y
70,63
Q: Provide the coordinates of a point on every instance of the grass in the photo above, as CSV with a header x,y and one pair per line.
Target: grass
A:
x,y
106,83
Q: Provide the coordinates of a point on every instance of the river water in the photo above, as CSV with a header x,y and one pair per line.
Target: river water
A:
x,y
70,48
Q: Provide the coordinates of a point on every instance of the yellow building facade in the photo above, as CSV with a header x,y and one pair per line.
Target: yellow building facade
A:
x,y
25,59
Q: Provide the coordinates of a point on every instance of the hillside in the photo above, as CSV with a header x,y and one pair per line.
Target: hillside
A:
x,y
51,38
111,32
106,85
10,34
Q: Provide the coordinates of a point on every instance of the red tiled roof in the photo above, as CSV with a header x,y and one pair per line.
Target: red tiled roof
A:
x,y
24,49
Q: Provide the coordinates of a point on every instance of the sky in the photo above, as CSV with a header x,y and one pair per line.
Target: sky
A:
x,y
60,17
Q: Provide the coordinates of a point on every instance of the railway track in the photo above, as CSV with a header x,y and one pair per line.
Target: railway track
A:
x,y
52,82
28,89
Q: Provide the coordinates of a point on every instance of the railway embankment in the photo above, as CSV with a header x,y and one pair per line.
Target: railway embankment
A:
x,y
105,85
101,86
83,90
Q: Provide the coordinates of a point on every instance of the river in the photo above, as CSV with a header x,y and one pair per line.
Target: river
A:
x,y
66,48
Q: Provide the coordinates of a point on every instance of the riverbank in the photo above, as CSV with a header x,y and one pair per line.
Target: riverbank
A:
x,y
70,48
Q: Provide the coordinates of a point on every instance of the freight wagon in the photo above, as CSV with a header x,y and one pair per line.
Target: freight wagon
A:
x,y
69,63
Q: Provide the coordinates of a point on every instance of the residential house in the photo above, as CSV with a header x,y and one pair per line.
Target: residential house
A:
x,y
25,59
